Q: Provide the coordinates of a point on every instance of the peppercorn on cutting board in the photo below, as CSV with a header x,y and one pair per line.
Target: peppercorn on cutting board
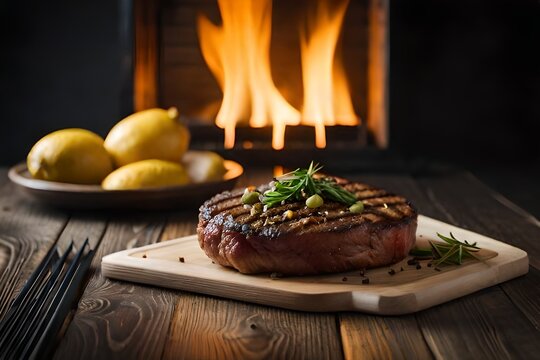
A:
x,y
397,289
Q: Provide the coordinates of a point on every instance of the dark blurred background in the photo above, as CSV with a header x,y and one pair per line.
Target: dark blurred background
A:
x,y
464,88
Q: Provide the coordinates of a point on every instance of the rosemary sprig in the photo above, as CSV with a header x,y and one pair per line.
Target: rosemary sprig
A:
x,y
452,251
300,184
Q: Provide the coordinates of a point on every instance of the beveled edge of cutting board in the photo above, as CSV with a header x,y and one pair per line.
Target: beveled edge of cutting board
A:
x,y
291,293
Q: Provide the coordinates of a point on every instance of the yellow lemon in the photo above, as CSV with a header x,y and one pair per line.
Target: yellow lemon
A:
x,y
204,166
146,174
70,155
148,134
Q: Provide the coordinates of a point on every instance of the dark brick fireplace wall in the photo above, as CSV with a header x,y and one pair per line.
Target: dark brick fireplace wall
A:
x,y
464,77
464,74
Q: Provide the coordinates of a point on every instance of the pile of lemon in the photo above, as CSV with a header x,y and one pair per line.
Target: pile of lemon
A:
x,y
146,149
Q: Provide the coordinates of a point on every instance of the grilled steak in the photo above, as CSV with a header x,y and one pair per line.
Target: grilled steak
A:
x,y
308,241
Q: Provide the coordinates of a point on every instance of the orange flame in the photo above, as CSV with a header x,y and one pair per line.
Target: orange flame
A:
x,y
238,54
326,95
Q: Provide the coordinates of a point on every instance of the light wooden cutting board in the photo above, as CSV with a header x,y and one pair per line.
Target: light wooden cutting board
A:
x,y
408,290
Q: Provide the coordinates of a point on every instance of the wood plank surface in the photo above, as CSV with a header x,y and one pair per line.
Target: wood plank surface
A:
x,y
472,205
442,335
82,226
206,327
524,293
159,265
487,214
493,323
116,319
213,328
485,325
380,337
375,337
27,231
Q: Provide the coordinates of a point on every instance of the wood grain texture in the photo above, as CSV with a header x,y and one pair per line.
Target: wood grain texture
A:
x,y
524,293
487,214
211,328
82,226
406,292
497,322
27,231
377,337
180,224
116,319
447,204
482,326
467,202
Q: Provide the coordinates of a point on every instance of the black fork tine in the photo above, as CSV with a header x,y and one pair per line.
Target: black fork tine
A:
x,y
58,295
52,255
21,312
37,314
46,343
36,305
27,291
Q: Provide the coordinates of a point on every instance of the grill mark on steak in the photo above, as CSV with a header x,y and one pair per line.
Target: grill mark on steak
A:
x,y
388,213
370,193
326,239
380,207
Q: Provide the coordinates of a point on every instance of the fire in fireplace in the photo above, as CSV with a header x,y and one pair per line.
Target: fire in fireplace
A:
x,y
271,74
238,53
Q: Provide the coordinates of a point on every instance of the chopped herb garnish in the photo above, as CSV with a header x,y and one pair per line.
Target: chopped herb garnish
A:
x,y
451,251
301,184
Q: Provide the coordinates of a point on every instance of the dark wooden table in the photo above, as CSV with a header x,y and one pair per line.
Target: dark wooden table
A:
x,y
117,319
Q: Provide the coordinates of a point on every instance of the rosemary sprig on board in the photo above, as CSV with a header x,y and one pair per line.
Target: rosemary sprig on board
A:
x,y
300,184
452,251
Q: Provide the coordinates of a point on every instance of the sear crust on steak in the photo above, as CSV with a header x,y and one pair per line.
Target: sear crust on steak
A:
x,y
313,241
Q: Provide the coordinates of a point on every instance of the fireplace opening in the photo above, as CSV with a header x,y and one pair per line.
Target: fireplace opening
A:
x,y
271,76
